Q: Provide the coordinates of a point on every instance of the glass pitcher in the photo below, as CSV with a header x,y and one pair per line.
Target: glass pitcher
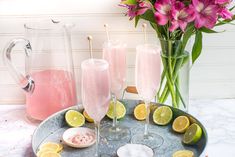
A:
x,y
48,81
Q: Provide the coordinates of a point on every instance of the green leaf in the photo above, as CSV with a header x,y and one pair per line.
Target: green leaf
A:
x,y
129,2
225,21
159,30
232,8
137,18
149,16
197,47
206,30
187,34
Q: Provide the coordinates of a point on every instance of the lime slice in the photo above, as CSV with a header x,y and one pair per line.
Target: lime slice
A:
x,y
193,134
74,118
50,154
162,115
120,108
140,112
183,153
88,118
180,124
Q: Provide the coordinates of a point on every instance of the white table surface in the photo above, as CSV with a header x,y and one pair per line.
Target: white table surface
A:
x,y
218,116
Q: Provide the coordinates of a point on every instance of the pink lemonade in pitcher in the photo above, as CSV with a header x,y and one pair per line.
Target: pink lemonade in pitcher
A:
x,y
54,90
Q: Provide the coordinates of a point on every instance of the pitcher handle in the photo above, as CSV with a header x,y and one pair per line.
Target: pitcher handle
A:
x,y
24,81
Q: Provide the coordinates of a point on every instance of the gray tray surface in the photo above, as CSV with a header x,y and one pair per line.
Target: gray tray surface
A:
x,y
52,129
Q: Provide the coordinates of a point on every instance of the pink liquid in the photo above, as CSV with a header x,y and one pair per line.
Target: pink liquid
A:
x,y
148,71
54,91
116,57
95,88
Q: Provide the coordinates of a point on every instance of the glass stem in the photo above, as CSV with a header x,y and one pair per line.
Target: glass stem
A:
x,y
114,111
97,130
147,104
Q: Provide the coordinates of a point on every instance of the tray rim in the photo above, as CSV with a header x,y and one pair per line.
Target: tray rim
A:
x,y
80,107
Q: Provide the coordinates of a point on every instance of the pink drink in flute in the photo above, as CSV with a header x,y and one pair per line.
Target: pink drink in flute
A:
x,y
148,73
96,91
115,53
54,90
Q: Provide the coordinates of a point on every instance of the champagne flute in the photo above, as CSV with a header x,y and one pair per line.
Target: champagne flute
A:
x,y
95,90
147,78
114,52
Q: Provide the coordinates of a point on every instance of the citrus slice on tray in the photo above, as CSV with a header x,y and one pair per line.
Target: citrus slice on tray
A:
x,y
193,134
50,154
183,153
140,112
74,118
120,108
50,146
87,117
180,124
162,115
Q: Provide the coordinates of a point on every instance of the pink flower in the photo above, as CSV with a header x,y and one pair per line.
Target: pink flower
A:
x,y
143,7
205,13
181,16
163,7
137,9
223,11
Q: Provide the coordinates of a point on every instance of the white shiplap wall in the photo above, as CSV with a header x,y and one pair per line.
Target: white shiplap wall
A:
x,y
213,76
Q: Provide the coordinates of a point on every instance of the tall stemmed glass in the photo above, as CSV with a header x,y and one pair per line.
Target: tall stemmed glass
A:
x,y
115,53
95,91
147,78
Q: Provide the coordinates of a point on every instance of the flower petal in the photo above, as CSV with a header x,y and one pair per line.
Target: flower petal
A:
x,y
141,11
225,14
200,21
174,26
210,22
161,19
182,25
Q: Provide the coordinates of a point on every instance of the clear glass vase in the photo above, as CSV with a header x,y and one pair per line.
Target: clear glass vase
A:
x,y
174,86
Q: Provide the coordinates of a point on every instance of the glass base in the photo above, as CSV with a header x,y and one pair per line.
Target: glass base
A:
x,y
118,133
151,140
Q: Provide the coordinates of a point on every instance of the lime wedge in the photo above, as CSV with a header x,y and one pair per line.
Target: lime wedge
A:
x,y
140,112
193,134
74,118
120,108
162,115
180,124
183,153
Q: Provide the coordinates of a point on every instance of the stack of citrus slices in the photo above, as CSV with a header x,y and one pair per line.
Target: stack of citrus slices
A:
x,y
50,149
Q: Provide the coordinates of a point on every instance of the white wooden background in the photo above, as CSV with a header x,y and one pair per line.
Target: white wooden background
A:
x,y
213,76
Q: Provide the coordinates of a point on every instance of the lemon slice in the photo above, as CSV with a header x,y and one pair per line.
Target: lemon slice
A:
x,y
40,152
140,112
74,118
50,146
183,153
50,154
87,117
162,115
60,148
180,124
193,134
120,108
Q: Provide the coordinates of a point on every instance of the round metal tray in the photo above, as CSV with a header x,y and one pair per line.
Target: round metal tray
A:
x,y
53,127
